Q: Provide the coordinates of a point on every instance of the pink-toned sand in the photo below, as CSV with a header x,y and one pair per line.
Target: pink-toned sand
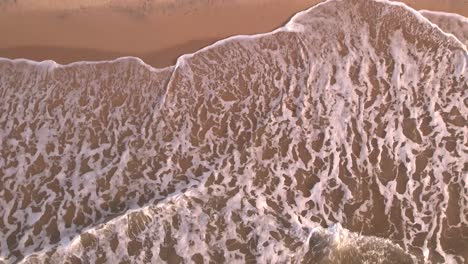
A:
x,y
157,31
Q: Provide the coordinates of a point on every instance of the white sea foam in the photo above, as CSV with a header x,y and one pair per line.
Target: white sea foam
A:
x,y
352,113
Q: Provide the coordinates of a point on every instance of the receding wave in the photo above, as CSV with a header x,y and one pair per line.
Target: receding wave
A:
x,y
338,138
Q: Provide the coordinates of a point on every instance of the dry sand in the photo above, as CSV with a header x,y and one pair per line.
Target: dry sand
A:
x,y
158,31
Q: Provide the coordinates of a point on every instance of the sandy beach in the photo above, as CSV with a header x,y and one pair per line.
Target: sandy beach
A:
x,y
338,138
158,31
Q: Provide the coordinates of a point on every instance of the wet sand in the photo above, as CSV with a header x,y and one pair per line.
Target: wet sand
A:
x,y
131,121
157,31
163,29
160,58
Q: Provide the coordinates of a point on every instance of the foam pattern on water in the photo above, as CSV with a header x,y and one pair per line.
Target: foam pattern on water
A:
x,y
352,117
450,23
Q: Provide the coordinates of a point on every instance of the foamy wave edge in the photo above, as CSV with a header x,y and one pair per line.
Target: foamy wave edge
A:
x,y
290,26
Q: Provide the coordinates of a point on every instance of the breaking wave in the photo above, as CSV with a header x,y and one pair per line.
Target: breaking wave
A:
x,y
338,138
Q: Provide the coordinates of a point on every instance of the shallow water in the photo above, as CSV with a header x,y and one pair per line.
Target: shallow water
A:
x,y
339,138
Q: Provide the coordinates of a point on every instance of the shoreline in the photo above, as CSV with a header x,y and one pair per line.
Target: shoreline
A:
x,y
157,37
159,59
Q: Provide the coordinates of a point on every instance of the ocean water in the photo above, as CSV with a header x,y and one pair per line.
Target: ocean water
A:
x,y
450,23
338,138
